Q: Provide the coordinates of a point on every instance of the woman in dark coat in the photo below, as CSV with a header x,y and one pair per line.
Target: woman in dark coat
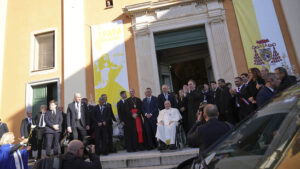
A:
x,y
252,90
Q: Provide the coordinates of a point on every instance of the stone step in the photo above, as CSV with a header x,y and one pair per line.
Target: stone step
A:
x,y
147,159
155,167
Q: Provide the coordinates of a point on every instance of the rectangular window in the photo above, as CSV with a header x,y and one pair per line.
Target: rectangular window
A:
x,y
109,3
44,51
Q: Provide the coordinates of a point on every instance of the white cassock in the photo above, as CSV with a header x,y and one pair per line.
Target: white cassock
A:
x,y
167,133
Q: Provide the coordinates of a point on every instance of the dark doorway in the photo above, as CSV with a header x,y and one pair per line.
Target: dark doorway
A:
x,y
178,65
183,55
42,95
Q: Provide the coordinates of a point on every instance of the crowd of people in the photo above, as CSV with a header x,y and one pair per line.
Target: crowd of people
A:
x,y
206,113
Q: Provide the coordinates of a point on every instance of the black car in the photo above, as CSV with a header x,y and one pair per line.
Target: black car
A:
x,y
262,141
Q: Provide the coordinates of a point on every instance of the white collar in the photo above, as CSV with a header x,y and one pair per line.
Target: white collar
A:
x,y
270,88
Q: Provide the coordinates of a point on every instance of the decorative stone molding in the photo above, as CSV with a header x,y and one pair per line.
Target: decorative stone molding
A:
x,y
217,19
145,7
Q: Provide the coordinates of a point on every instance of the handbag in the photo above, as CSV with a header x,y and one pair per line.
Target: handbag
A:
x,y
66,139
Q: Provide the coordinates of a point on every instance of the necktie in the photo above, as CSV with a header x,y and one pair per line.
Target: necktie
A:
x,y
41,124
77,110
148,100
166,96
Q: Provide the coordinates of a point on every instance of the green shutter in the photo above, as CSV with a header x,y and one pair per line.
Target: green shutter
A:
x,y
181,37
39,98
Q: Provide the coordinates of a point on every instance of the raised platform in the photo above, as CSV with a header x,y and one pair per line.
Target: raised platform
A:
x,y
147,159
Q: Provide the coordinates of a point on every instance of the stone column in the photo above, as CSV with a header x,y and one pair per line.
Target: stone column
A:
x,y
224,58
146,62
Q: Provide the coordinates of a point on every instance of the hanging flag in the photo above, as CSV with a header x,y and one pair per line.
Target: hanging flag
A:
x,y
261,34
109,61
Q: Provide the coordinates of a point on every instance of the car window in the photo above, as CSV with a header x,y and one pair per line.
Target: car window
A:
x,y
253,137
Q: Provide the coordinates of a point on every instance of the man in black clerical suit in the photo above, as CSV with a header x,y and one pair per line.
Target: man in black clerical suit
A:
x,y
53,119
165,95
224,101
133,123
77,118
40,129
150,114
194,98
110,124
25,130
101,118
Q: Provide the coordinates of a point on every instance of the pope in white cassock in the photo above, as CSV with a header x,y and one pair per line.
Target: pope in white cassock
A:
x,y
167,122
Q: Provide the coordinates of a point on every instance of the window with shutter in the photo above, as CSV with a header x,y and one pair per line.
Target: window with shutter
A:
x,y
44,51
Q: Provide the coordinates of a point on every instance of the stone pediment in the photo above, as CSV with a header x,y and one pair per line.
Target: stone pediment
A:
x,y
152,14
150,6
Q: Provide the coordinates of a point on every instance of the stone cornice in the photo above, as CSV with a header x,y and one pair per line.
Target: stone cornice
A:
x,y
147,7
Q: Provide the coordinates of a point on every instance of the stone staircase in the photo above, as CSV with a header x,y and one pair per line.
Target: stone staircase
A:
x,y
147,159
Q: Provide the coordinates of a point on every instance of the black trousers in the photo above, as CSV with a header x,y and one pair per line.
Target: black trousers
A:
x,y
52,138
150,126
79,130
130,134
40,140
101,137
110,137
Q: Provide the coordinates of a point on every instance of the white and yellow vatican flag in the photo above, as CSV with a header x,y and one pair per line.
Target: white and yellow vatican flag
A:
x,y
261,34
109,61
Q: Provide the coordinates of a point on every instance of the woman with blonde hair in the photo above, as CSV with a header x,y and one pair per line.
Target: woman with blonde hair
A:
x,y
10,155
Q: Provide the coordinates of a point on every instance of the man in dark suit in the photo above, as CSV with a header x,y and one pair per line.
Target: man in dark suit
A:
x,y
25,129
268,91
241,101
90,109
53,119
101,118
165,95
77,118
286,80
213,92
110,124
205,135
150,113
40,129
224,101
194,98
121,106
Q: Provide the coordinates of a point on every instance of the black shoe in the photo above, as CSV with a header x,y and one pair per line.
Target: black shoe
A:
x,y
161,146
172,147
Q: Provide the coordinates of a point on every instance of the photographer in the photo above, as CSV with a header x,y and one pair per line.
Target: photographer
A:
x,y
204,135
73,159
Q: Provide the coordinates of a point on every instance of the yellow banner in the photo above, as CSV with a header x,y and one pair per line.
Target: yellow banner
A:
x,y
109,61
248,26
